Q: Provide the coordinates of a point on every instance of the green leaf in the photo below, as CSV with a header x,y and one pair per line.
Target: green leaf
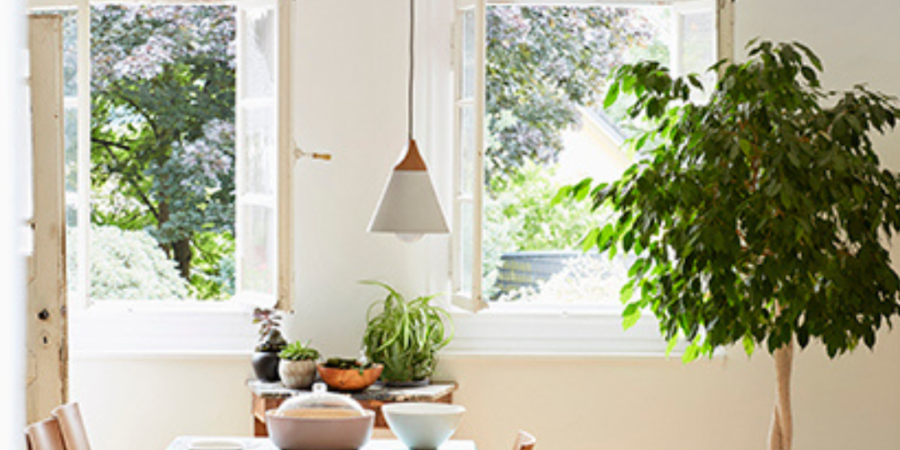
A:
x,y
810,76
628,83
812,56
671,345
561,195
604,239
802,336
611,95
630,315
695,81
691,352
858,193
627,292
749,345
590,240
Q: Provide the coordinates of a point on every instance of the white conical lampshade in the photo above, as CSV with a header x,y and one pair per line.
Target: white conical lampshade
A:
x,y
408,204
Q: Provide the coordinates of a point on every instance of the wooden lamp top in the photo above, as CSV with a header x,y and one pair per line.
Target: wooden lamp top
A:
x,y
413,160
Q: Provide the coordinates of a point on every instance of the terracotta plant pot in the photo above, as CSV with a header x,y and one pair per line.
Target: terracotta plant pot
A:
x,y
297,374
349,379
265,366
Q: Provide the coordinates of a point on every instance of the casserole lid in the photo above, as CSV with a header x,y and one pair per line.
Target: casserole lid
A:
x,y
321,401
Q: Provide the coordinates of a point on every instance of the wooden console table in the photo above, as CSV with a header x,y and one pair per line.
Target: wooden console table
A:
x,y
268,396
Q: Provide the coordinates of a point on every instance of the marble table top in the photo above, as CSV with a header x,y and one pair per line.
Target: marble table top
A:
x,y
377,392
183,443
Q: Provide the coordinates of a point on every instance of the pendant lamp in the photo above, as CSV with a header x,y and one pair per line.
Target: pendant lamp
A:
x,y
409,206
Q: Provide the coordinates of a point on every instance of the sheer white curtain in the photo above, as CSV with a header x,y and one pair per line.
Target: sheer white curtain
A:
x,y
13,147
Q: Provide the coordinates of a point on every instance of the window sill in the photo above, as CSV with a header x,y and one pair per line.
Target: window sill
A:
x,y
579,331
157,329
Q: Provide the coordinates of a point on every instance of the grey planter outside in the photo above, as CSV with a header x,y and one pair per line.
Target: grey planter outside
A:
x,y
526,269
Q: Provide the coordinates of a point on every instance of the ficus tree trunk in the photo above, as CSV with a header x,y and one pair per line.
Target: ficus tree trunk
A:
x,y
781,431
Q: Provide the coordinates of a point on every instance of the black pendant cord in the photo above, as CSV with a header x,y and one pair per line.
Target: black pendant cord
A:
x,y
412,57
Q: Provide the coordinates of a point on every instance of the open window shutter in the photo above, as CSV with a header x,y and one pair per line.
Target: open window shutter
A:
x,y
263,163
695,45
703,27
469,56
725,30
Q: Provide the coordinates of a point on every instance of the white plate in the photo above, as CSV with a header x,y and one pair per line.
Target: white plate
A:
x,y
215,444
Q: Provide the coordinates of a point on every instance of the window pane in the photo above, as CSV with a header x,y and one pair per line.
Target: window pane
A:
x,y
71,185
162,151
467,80
257,240
467,150
260,52
467,245
698,44
71,149
259,151
70,52
258,146
73,281
546,73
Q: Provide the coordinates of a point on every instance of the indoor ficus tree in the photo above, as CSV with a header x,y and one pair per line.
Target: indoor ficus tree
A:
x,y
760,216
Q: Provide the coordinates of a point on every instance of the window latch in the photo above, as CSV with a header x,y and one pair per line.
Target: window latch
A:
x,y
300,153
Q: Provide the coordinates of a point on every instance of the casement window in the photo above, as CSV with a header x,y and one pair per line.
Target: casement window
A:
x,y
523,129
177,202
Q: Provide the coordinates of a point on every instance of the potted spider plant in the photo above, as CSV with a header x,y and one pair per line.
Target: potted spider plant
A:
x,y
405,336
271,342
298,365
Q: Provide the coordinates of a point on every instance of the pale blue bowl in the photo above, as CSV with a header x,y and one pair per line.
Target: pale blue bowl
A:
x,y
423,426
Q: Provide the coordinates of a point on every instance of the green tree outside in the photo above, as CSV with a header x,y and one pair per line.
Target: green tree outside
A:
x,y
162,133
542,65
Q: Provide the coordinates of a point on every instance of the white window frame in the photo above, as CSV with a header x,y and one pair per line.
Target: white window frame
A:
x,y
553,330
167,328
461,101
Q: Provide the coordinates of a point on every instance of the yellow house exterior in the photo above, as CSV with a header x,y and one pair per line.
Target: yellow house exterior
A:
x,y
593,149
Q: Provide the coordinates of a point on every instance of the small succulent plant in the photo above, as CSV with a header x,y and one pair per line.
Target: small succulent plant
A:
x,y
299,351
348,364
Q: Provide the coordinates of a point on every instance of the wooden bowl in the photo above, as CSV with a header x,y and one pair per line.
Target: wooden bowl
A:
x,y
349,379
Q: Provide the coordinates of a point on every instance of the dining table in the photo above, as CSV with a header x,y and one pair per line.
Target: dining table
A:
x,y
184,443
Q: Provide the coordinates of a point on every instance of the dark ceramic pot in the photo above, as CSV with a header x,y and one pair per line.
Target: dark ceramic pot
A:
x,y
265,365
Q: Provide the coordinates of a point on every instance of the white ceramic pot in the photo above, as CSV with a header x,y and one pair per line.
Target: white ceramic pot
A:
x,y
297,374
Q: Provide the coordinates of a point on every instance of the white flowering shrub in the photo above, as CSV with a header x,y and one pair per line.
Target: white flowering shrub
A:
x,y
130,265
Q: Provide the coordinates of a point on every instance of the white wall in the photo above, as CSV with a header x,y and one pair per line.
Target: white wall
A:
x,y
14,149
350,100
142,403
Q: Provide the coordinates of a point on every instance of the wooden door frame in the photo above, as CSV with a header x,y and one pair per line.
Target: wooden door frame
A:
x,y
47,374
